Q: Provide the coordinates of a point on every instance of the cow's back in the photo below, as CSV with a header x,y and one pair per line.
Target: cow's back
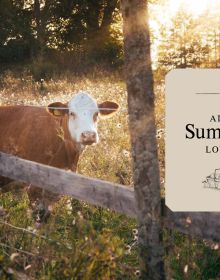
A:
x,y
33,134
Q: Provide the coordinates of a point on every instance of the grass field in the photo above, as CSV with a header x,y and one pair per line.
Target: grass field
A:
x,y
82,241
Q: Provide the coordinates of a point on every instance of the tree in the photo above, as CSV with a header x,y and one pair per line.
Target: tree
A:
x,y
40,20
182,44
84,20
211,35
139,79
15,31
67,25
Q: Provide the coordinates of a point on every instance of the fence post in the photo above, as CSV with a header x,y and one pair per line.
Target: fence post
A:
x,y
146,177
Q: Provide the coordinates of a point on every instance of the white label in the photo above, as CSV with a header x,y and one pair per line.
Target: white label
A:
x,y
193,140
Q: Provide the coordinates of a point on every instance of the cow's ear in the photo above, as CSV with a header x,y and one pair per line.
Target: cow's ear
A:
x,y
108,108
58,109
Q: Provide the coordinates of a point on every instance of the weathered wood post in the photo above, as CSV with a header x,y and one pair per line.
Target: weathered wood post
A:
x,y
146,177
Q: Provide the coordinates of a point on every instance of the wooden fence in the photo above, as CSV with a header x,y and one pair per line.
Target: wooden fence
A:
x,y
101,193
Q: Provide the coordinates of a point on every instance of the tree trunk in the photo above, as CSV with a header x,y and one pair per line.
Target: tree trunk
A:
x,y
99,30
40,26
143,136
107,20
92,18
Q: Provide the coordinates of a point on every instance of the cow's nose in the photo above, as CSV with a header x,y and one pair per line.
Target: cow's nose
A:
x,y
88,137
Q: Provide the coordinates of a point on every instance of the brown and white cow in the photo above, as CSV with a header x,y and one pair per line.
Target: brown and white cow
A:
x,y
54,136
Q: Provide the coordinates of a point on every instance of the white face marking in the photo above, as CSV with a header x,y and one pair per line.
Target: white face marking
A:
x,y
83,107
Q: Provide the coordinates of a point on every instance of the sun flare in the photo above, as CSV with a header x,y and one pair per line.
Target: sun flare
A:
x,y
171,7
195,7
163,18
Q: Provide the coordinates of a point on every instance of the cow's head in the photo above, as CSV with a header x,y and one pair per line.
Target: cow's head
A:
x,y
83,111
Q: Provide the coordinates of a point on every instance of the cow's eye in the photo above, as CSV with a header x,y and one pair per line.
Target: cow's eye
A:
x,y
95,116
73,115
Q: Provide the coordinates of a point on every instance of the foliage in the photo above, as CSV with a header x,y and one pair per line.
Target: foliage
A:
x,y
70,246
192,259
15,33
80,34
32,29
182,43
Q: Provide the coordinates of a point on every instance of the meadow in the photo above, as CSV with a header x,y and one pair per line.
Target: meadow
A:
x,y
81,241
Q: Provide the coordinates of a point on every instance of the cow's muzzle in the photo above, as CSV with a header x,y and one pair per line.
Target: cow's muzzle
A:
x,y
88,138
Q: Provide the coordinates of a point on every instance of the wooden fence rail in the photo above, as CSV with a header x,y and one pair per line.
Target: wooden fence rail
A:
x,y
94,191
101,193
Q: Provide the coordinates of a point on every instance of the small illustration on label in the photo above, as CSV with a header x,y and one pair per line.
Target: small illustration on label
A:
x,y
213,181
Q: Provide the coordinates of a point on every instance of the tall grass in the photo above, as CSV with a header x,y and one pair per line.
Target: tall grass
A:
x,y
82,241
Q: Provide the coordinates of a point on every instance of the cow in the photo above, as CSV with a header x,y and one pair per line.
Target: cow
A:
x,y
56,136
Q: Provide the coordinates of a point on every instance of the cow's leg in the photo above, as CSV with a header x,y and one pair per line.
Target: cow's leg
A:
x,y
41,202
